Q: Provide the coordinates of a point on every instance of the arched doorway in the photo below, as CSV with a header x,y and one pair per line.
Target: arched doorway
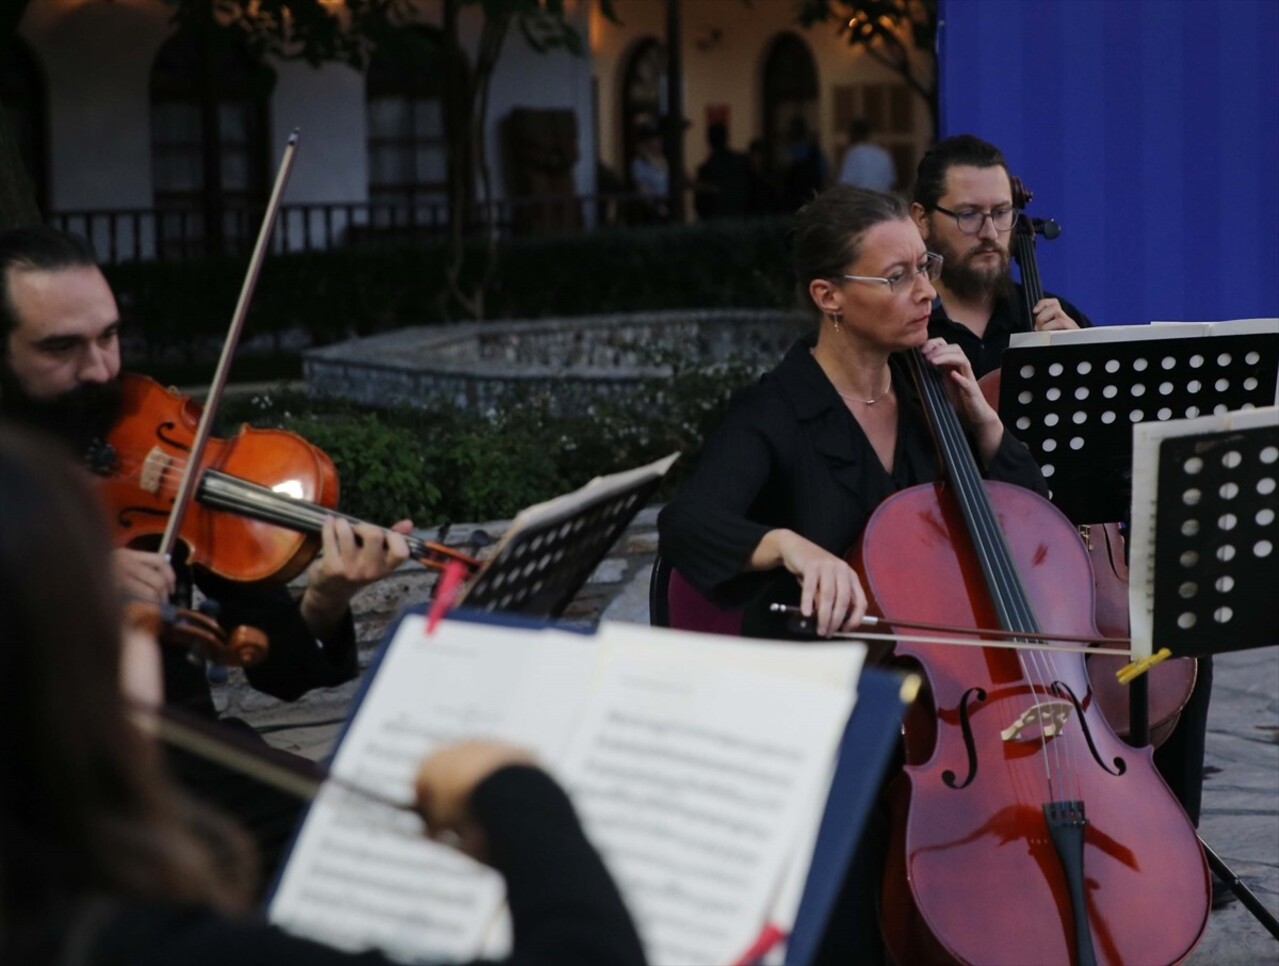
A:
x,y
790,92
208,143
22,94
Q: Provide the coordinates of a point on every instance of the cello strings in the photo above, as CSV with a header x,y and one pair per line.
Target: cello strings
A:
x,y
1032,286
1005,589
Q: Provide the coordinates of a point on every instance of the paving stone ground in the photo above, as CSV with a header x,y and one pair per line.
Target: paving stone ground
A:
x,y
1241,791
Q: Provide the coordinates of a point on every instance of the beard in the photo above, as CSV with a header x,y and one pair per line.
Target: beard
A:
x,y
78,419
966,281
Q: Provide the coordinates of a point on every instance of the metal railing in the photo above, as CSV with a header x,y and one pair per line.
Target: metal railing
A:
x,y
144,234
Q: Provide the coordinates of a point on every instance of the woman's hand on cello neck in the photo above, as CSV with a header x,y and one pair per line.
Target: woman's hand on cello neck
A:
x,y
831,590
966,396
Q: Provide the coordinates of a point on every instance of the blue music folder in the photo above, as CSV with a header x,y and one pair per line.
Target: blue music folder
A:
x,y
868,747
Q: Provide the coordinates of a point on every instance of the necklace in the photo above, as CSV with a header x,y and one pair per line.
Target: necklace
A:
x,y
868,402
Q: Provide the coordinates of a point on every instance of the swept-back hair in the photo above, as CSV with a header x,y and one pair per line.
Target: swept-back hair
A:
x,y
829,230
962,149
36,249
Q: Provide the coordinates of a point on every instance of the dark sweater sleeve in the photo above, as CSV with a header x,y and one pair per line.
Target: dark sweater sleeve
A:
x,y
296,661
1012,463
565,908
705,531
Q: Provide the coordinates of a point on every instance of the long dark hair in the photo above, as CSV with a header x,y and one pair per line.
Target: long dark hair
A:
x,y
85,808
829,230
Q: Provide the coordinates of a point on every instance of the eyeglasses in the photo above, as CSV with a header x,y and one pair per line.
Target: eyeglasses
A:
x,y
970,222
929,268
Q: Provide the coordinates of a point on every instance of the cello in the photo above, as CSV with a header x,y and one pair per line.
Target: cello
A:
x,y
1171,682
1023,830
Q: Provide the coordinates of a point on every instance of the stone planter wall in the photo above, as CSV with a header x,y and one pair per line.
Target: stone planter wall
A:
x,y
572,362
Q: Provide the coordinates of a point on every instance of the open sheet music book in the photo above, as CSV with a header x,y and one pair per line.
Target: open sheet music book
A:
x,y
700,766
1143,545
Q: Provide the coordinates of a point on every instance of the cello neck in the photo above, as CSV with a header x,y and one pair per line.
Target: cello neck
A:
x,y
1008,595
1024,252
221,491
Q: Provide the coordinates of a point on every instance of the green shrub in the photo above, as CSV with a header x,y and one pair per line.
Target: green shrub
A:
x,y
450,465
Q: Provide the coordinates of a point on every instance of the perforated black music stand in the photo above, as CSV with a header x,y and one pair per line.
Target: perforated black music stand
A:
x,y
1210,573
1074,403
1217,542
551,549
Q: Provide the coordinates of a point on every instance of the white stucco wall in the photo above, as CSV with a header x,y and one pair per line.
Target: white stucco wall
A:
x,y
728,70
97,56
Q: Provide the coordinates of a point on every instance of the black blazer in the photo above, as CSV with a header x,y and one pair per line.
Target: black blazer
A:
x,y
790,454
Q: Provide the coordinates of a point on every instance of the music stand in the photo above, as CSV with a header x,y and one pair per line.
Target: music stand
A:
x,y
552,548
1204,535
1073,397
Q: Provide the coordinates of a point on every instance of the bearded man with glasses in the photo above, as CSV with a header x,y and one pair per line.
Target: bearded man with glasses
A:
x,y
963,206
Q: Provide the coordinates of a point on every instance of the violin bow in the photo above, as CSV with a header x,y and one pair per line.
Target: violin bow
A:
x,y
988,636
186,488
288,773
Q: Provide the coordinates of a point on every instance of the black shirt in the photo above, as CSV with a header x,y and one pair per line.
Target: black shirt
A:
x,y
790,454
1009,316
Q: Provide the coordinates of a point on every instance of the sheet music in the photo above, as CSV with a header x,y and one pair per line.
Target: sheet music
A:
x,y
694,762
1145,478
1134,333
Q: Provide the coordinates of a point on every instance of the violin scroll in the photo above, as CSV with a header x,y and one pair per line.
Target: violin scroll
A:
x,y
198,632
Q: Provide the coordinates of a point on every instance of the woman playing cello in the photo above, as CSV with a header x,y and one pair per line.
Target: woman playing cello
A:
x,y
1022,830
787,483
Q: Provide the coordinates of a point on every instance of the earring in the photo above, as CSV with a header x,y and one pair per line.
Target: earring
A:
x,y
836,318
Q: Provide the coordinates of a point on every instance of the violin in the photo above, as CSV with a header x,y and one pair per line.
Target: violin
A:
x,y
197,632
1023,830
1171,682
260,500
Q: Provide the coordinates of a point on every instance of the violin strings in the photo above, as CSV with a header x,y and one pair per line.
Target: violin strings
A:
x,y
303,515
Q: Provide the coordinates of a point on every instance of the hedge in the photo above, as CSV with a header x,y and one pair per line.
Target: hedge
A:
x,y
332,295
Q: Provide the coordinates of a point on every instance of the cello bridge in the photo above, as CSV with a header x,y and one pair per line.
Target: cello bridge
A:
x,y
1044,719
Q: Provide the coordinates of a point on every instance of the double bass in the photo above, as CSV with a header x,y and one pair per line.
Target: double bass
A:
x,y
1023,829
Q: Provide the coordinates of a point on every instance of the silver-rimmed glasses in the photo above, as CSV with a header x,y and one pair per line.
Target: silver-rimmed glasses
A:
x,y
929,268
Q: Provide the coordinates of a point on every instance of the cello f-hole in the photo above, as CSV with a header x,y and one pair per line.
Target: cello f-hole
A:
x,y
948,776
1061,689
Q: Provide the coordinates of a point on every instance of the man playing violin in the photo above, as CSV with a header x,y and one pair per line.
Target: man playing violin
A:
x,y
964,208
59,372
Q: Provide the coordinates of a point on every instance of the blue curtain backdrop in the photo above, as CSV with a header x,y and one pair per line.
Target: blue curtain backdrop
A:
x,y
1148,128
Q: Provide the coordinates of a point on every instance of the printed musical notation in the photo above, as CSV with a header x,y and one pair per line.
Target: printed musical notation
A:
x,y
695,764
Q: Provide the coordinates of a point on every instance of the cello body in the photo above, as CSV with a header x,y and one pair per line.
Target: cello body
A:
x,y
974,875
1171,682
